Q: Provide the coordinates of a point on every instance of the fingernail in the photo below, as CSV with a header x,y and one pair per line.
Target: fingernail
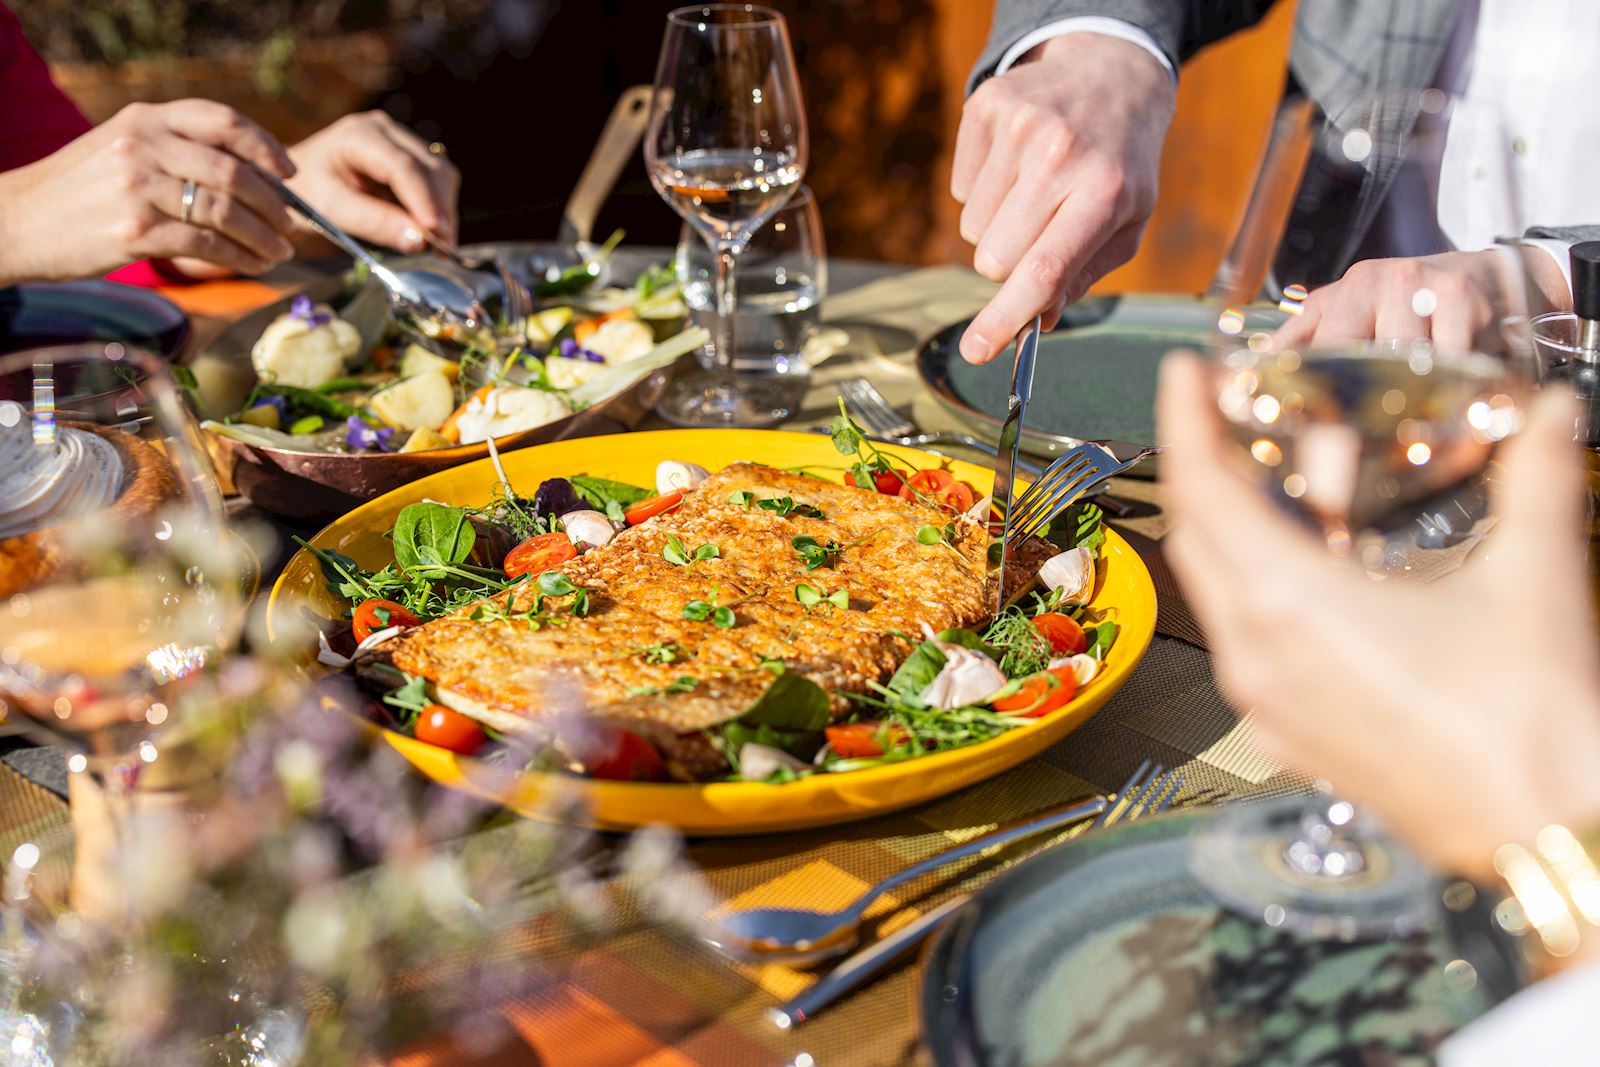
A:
x,y
975,348
283,248
411,238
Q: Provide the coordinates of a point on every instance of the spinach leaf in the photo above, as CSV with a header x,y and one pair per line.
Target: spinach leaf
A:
x,y
791,702
1101,638
800,743
607,496
426,534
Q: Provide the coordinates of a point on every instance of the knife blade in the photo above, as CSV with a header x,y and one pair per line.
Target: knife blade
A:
x,y
1005,464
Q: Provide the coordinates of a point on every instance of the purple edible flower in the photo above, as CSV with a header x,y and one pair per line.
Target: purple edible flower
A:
x,y
358,435
303,309
570,349
274,402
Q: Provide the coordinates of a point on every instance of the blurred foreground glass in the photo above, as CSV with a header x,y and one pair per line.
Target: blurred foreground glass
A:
x,y
780,281
1374,427
120,583
726,147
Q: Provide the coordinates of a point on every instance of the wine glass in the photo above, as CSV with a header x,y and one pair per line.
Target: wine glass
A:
x,y
122,585
1370,429
726,147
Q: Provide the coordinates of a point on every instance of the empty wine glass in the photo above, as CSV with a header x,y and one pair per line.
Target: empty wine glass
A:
x,y
1365,420
726,147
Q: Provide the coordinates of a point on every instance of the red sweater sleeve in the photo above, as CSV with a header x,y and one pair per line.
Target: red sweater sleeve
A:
x,y
37,118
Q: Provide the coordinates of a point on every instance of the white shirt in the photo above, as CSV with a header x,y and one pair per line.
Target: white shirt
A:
x,y
1535,60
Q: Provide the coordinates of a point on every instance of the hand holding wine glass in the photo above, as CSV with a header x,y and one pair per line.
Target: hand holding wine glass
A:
x,y
726,147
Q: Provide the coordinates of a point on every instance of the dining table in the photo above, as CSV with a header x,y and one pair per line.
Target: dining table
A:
x,y
642,992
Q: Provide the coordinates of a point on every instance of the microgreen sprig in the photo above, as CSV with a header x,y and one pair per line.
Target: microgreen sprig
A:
x,y
668,652
811,596
682,684
814,554
719,615
938,535
784,506
677,552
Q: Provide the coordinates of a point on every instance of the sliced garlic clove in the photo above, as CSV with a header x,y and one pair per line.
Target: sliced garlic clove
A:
x,y
1072,572
967,677
758,762
1084,667
587,529
673,475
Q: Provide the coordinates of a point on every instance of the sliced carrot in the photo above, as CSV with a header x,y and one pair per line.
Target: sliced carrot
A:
x,y
451,430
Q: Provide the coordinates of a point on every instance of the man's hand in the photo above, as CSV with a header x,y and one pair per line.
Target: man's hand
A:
x,y
1405,695
1057,162
115,195
345,169
1452,297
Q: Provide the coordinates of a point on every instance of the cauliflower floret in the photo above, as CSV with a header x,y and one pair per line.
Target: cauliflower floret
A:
x,y
302,351
508,409
621,340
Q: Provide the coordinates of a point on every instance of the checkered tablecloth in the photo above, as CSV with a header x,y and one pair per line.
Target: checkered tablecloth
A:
x,y
643,994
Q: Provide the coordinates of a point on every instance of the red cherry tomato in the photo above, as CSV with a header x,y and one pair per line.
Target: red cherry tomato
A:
x,y
366,621
539,554
957,496
650,507
860,740
890,483
1038,697
1062,631
621,755
450,730
926,483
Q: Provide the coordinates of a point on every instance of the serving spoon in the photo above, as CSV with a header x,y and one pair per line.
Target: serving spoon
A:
x,y
797,937
429,302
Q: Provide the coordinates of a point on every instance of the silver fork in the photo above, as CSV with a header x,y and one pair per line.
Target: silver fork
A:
x,y
886,424
1147,792
1073,474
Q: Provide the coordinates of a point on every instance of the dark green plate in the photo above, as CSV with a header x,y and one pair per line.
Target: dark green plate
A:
x,y
1096,377
1105,952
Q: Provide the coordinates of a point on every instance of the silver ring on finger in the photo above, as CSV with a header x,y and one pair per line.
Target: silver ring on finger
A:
x,y
187,209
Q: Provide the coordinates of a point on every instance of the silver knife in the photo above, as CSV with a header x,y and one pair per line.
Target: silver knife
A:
x,y
1005,464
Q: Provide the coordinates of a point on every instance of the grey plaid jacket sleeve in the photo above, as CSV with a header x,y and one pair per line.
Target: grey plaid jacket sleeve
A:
x,y
1570,234
1180,27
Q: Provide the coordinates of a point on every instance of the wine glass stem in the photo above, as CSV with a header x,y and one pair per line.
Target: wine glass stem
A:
x,y
723,340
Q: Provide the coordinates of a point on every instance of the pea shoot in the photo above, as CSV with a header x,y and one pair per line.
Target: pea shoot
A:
x,y
682,684
719,615
811,596
814,554
677,552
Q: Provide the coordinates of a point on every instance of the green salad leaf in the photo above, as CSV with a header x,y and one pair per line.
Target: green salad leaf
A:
x,y
607,496
1101,637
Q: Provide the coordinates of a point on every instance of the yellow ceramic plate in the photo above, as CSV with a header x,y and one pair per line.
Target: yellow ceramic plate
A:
x,y
720,807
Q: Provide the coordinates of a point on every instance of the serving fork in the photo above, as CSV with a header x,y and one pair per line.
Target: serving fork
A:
x,y
1150,789
884,423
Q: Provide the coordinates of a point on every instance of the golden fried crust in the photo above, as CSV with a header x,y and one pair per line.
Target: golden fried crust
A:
x,y
896,586
41,555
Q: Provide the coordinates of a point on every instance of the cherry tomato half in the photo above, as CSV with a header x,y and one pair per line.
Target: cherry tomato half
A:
x,y
1062,631
890,483
620,755
650,507
941,487
539,554
860,740
1038,697
450,730
366,621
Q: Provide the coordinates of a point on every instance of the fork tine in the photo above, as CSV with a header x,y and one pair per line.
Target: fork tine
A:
x,y
874,410
1050,500
1152,787
1135,780
1062,469
1167,793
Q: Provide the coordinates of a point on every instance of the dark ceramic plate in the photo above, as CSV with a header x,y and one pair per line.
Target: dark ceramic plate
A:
x,y
1105,952
1096,377
55,313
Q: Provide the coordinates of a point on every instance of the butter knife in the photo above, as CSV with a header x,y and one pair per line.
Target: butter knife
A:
x,y
1005,464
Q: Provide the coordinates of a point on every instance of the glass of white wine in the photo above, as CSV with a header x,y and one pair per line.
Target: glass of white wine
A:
x,y
120,583
1372,420
726,147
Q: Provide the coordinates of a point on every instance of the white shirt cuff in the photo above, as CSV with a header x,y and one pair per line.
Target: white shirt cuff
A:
x,y
1106,27
1550,1022
1561,250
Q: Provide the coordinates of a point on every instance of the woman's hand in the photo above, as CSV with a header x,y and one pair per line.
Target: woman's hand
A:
x,y
1466,711
379,181
115,195
1451,298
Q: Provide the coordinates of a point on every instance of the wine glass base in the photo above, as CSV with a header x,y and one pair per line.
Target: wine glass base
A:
x,y
704,399
1243,859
